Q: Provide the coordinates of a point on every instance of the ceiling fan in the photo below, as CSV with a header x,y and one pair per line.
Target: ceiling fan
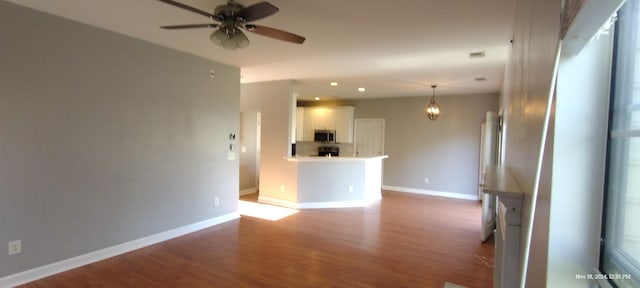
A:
x,y
233,17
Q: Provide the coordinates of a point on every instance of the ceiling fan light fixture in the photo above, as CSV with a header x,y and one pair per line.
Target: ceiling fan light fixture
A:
x,y
218,37
234,16
229,39
240,39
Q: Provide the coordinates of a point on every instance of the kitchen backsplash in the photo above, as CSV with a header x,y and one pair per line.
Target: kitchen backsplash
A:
x,y
304,148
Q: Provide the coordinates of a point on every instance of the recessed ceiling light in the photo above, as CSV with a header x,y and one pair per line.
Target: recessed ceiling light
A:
x,y
479,54
316,98
334,84
361,89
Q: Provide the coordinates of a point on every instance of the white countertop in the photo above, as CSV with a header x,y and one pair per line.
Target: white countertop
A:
x,y
499,181
331,159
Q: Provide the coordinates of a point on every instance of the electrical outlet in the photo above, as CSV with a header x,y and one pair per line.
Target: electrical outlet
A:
x,y
15,247
426,180
217,201
350,189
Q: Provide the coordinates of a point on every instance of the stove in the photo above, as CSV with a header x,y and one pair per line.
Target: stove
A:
x,y
329,151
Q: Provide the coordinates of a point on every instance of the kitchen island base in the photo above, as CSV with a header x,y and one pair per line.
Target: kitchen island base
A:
x,y
334,182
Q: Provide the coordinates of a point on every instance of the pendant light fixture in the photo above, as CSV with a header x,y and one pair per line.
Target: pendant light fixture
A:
x,y
433,109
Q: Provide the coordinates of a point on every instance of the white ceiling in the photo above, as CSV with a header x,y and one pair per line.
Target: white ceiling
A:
x,y
392,48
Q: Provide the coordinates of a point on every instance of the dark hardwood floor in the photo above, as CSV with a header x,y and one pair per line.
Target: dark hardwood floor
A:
x,y
404,240
253,197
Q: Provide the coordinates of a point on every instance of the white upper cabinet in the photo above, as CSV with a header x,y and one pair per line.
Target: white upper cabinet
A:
x,y
299,124
344,124
309,119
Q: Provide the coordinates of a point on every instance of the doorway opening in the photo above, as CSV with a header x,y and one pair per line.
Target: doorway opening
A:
x,y
250,134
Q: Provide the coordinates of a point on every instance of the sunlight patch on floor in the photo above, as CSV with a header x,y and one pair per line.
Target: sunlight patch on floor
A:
x,y
451,285
264,211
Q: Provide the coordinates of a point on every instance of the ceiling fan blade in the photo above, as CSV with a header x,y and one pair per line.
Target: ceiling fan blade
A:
x,y
189,26
189,8
257,11
275,33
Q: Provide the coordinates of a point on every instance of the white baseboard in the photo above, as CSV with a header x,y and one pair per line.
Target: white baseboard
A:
x,y
431,193
315,205
248,191
91,257
277,202
334,204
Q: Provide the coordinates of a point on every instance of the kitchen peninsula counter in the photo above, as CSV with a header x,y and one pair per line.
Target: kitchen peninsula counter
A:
x,y
333,158
334,182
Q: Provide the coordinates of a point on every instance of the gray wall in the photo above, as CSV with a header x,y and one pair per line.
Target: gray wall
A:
x,y
445,150
566,218
105,139
248,157
528,80
273,99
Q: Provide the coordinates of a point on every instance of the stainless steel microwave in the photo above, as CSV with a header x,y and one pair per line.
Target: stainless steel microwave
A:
x,y
325,136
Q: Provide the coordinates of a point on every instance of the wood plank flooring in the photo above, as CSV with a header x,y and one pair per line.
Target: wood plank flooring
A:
x,y
403,241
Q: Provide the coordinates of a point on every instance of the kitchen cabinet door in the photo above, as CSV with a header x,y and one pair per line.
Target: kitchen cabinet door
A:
x,y
317,118
326,118
299,124
308,124
344,124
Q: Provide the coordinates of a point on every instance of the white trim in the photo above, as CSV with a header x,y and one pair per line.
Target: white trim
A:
x,y
248,191
316,205
91,257
277,202
473,197
625,133
587,23
334,204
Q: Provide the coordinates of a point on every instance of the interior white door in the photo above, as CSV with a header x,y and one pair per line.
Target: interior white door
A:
x,y
491,134
489,145
369,137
